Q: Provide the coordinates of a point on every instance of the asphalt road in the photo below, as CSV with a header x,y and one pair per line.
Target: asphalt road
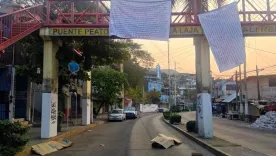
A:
x,y
129,138
238,132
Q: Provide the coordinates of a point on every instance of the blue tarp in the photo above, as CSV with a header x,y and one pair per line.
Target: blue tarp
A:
x,y
5,78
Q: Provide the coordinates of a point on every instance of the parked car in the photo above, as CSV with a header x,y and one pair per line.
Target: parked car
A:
x,y
117,115
131,113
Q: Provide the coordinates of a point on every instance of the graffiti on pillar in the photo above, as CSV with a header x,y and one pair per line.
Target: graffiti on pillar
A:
x,y
53,112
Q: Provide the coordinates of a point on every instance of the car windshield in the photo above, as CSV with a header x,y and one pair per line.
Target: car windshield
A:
x,y
116,112
130,109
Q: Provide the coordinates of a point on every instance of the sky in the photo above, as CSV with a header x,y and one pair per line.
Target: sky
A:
x,y
259,51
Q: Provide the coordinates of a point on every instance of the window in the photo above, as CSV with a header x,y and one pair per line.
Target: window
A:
x,y
272,82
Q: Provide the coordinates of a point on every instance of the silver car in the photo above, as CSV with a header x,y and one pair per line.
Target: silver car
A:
x,y
117,115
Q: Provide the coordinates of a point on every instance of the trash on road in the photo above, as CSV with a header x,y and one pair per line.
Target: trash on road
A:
x,y
163,141
102,145
267,121
51,146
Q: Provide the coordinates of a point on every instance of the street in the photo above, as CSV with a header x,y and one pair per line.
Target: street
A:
x,y
238,132
129,138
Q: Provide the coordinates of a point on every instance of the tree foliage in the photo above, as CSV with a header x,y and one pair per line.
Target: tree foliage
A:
x,y
12,136
108,84
138,55
153,97
136,94
33,51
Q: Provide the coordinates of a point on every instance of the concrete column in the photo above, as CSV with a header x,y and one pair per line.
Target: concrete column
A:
x,y
86,101
12,96
49,113
203,85
203,76
29,100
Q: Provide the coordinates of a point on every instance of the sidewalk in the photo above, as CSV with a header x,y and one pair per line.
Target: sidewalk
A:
x,y
224,145
34,133
240,133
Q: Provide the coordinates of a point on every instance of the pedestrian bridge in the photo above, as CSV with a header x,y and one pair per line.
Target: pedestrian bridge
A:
x,y
91,18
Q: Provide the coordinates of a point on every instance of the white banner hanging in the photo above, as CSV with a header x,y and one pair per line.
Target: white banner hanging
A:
x,y
223,31
140,19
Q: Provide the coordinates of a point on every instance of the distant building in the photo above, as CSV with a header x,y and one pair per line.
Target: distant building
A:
x,y
267,87
153,80
224,88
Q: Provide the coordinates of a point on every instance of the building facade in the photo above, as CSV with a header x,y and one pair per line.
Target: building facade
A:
x,y
267,87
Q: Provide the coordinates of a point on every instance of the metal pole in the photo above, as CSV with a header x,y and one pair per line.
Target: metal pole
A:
x,y
67,116
169,74
175,84
76,108
32,102
241,95
245,88
258,83
237,90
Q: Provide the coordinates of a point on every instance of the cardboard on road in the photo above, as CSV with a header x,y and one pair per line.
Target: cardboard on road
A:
x,y
165,141
51,146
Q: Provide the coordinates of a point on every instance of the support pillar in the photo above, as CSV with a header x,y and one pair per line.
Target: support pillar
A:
x,y
12,96
29,100
49,113
86,101
203,85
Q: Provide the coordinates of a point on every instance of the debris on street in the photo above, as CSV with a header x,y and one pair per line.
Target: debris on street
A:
x,y
51,146
163,141
267,121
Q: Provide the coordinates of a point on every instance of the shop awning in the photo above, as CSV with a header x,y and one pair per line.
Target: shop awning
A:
x,y
229,98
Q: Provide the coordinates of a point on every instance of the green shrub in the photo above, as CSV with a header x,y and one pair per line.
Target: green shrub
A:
x,y
175,118
175,109
191,126
167,115
12,136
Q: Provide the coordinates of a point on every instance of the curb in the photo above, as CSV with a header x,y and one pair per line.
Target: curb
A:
x,y
210,148
28,149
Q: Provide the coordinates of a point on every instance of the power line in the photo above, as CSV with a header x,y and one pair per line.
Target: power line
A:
x,y
260,50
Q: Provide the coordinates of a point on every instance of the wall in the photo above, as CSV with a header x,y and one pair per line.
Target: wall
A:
x,y
266,91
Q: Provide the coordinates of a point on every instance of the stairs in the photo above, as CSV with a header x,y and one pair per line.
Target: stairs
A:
x,y
19,24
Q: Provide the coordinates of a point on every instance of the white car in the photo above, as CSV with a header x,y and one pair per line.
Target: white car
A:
x,y
131,113
117,115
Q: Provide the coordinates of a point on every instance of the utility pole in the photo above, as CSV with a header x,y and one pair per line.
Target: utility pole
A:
x,y
245,88
169,74
237,90
241,95
238,96
258,83
175,84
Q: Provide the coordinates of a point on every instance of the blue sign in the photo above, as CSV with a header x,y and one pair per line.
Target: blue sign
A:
x,y
73,67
